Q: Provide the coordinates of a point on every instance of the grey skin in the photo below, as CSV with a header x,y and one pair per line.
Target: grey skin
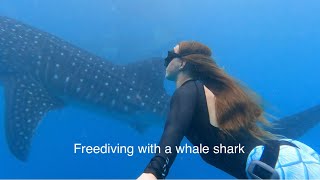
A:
x,y
40,72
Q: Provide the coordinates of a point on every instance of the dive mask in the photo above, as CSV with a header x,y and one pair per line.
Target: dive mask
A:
x,y
170,57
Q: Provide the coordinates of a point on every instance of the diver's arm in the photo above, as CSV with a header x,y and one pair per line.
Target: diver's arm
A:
x,y
182,109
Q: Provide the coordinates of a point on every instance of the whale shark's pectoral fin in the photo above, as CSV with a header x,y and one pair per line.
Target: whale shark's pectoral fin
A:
x,y
296,125
26,103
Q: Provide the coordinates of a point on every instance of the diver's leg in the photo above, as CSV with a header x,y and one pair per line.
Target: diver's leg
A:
x,y
293,163
298,163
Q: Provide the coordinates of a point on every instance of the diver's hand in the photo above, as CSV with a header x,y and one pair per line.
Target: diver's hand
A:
x,y
147,176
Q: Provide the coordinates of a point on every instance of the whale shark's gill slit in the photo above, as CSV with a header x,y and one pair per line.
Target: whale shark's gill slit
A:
x,y
26,104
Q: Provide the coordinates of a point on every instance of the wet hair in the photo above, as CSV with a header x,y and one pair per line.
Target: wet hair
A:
x,y
237,107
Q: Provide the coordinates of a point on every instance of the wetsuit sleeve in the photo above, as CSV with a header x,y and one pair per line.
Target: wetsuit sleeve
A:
x,y
182,109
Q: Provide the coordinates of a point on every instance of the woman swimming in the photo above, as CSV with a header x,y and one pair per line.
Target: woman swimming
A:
x,y
211,109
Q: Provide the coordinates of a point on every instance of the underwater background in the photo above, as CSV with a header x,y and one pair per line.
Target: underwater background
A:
x,y
272,46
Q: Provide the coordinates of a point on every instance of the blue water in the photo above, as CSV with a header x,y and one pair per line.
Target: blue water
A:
x,y
272,46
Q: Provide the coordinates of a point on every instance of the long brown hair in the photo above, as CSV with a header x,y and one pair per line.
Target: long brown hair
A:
x,y
237,107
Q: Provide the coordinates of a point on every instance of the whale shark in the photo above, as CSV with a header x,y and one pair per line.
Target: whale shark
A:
x,y
41,72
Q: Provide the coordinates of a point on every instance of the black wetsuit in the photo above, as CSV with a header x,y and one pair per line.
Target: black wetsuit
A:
x,y
189,116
